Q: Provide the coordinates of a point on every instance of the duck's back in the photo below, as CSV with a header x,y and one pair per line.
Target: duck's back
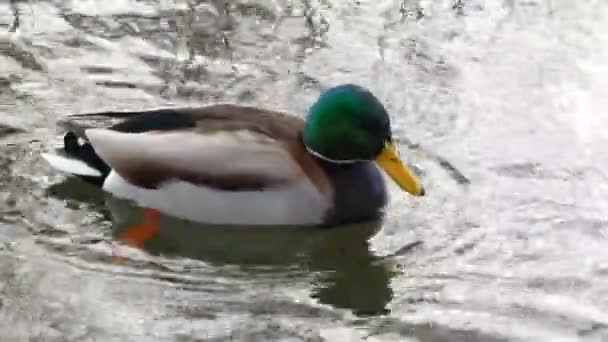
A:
x,y
219,117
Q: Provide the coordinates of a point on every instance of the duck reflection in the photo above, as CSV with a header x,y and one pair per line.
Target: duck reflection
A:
x,y
347,274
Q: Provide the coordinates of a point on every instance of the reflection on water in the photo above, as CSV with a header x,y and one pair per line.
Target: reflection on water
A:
x,y
346,273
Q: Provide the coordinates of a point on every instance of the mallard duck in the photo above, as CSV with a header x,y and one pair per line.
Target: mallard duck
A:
x,y
242,165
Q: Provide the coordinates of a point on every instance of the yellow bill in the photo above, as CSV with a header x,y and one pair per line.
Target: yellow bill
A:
x,y
389,161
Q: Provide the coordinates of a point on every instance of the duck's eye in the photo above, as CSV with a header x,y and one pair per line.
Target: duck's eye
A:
x,y
367,125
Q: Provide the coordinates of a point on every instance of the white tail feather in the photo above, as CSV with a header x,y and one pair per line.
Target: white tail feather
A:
x,y
70,165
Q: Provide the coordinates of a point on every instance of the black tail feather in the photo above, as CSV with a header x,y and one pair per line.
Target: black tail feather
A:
x,y
87,154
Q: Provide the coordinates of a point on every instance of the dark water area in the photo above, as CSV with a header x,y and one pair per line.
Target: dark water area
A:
x,y
499,105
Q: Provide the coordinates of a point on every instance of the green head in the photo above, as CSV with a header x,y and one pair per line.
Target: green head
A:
x,y
349,124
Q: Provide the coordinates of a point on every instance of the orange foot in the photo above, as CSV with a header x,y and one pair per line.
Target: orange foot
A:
x,y
138,234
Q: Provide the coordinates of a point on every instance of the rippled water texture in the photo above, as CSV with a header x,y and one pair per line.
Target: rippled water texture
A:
x,y
511,93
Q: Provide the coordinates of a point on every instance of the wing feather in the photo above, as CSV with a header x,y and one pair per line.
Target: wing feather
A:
x,y
239,159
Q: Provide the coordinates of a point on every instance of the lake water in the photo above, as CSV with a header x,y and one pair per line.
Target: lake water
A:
x,y
506,99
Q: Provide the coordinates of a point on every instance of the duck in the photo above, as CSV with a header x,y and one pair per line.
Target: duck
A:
x,y
244,165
